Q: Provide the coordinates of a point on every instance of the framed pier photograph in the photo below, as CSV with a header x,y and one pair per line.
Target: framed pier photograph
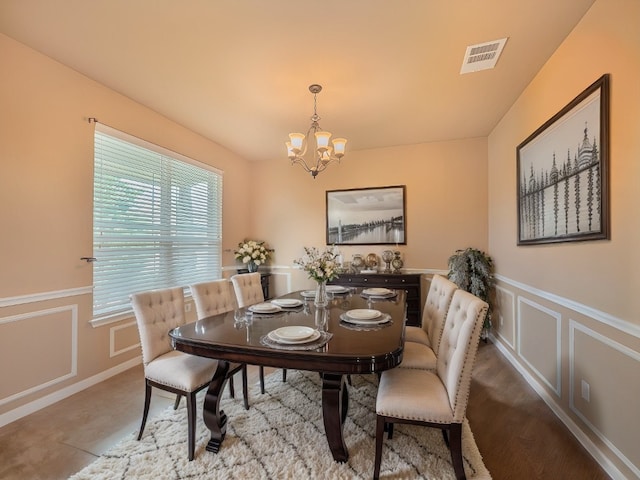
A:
x,y
367,216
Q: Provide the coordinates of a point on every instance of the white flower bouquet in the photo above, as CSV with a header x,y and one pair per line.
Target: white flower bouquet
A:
x,y
321,266
252,252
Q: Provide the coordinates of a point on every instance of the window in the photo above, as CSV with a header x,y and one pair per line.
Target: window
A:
x,y
157,220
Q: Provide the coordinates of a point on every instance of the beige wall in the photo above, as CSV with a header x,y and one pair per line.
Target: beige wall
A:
x,y
446,197
568,313
48,349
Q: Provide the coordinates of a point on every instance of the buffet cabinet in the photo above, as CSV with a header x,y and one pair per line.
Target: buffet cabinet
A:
x,y
409,282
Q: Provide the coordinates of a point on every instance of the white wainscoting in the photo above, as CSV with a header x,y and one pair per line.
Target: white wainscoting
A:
x,y
609,455
575,328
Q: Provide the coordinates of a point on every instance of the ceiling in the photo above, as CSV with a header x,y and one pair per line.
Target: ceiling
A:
x,y
238,71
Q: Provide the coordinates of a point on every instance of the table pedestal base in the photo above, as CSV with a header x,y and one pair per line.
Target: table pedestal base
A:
x,y
335,405
214,418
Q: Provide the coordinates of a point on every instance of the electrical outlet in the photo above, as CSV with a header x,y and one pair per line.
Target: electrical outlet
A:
x,y
187,307
585,390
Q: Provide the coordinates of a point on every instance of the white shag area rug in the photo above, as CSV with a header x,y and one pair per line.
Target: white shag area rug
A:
x,y
281,436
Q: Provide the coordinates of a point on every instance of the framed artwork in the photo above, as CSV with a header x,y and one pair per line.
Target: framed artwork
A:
x,y
367,216
563,173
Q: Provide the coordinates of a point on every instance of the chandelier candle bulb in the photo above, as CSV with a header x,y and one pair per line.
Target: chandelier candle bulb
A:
x,y
322,140
339,146
296,141
290,153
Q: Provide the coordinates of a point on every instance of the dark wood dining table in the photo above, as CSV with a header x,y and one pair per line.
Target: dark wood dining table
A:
x,y
239,337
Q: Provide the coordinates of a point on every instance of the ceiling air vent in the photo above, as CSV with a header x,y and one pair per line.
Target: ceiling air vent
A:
x,y
482,56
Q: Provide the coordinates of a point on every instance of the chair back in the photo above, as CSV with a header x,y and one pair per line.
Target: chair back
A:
x,y
436,307
212,298
458,348
157,312
248,289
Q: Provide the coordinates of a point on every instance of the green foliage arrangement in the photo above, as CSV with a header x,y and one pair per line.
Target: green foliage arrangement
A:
x,y
472,270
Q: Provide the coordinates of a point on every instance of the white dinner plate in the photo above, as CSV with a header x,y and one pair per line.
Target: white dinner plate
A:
x,y
264,308
308,293
286,302
363,314
293,332
337,289
380,292
375,321
312,338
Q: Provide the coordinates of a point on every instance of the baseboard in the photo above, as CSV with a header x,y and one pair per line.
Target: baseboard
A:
x,y
603,460
40,403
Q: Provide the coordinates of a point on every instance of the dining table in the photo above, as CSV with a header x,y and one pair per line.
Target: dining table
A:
x,y
360,331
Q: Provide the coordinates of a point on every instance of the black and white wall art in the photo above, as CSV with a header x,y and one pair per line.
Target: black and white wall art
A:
x,y
563,171
366,216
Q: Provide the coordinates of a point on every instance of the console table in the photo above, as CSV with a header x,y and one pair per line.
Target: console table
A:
x,y
409,282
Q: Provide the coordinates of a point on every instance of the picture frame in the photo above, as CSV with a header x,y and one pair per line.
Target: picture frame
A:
x,y
563,173
367,216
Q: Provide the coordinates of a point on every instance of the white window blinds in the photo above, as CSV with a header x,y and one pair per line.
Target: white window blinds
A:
x,y
157,220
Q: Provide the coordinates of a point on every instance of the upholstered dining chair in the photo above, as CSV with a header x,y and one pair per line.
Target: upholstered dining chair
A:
x,y
435,399
421,343
157,312
212,298
248,290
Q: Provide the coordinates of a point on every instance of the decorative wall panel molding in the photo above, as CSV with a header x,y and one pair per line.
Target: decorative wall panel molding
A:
x,y
556,318
113,332
72,320
628,417
503,292
600,316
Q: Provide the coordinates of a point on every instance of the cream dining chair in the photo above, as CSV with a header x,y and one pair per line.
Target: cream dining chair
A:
x,y
421,343
435,399
157,312
248,290
213,298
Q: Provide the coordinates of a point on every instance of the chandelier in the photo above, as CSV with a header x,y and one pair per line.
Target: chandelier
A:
x,y
323,154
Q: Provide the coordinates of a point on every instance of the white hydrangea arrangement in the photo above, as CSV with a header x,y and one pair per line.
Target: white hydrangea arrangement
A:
x,y
252,251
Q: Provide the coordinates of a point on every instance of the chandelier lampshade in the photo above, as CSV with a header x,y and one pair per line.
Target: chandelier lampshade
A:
x,y
315,159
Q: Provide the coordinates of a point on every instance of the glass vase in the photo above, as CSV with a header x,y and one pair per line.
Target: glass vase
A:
x,y
321,300
252,267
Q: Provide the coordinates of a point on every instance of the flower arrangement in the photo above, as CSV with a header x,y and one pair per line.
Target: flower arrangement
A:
x,y
252,253
321,266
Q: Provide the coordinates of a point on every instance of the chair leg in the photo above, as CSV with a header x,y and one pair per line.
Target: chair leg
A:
x,y
245,387
177,402
284,374
145,411
261,379
389,431
191,422
232,390
455,438
445,435
380,423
